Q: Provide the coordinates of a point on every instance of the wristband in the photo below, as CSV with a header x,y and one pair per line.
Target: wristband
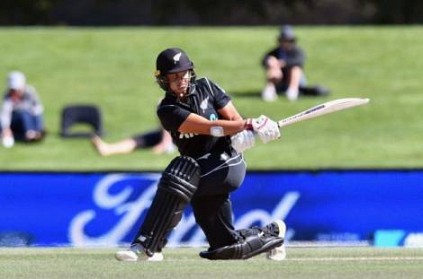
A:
x,y
217,131
249,124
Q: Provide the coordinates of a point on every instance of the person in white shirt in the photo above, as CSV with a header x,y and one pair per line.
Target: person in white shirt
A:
x,y
21,114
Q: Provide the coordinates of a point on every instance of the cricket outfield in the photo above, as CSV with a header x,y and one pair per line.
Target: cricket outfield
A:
x,y
301,262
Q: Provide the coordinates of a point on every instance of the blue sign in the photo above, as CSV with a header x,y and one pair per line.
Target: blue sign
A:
x,y
106,209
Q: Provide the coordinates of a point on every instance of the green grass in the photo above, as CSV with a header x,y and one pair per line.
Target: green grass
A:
x,y
335,262
113,68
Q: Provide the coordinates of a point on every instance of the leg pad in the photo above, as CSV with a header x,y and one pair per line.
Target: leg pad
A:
x,y
176,187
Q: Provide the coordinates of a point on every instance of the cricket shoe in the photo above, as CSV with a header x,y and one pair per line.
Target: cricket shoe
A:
x,y
276,228
245,249
137,253
269,93
292,94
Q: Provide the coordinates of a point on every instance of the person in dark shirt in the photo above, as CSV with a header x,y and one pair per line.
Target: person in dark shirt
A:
x,y
284,67
210,136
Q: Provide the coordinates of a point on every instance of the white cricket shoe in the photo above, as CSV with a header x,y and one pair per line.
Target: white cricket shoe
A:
x,y
278,253
292,94
269,93
135,253
8,141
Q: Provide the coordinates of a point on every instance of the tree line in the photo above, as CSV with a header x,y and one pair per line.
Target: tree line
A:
x,y
208,12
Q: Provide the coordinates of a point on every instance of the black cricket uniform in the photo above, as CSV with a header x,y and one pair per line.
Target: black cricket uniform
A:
x,y
222,169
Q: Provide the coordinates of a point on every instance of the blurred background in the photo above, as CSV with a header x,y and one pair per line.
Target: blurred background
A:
x,y
348,178
207,12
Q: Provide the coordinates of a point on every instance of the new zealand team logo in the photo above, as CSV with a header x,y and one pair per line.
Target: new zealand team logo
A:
x,y
177,57
204,104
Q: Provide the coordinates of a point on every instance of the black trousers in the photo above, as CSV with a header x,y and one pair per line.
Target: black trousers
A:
x,y
220,175
148,139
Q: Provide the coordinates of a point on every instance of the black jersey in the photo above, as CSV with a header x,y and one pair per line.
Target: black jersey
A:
x,y
205,99
292,57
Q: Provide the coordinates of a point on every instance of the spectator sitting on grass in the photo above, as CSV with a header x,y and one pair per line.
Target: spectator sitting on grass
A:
x,y
21,114
284,66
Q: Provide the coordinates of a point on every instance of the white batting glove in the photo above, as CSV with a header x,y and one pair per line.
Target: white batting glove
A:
x,y
266,128
243,140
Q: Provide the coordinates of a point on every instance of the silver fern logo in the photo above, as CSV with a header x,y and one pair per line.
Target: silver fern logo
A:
x,y
204,104
177,57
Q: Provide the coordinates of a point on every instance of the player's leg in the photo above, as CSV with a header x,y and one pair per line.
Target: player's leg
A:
x,y
159,140
221,174
38,124
214,215
294,76
148,139
274,76
124,146
175,189
18,126
28,125
213,211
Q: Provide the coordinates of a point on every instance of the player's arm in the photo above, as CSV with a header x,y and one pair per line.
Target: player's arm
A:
x,y
197,124
266,128
231,123
229,112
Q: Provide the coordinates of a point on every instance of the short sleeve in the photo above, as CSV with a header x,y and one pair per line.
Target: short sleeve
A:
x,y
221,99
172,116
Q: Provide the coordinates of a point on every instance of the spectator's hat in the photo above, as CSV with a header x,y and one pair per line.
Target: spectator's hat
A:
x,y
16,80
287,33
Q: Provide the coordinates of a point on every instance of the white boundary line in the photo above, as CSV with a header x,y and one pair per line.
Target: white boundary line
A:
x,y
337,259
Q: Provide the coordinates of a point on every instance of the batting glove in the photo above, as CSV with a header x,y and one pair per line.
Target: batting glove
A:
x,y
243,140
266,129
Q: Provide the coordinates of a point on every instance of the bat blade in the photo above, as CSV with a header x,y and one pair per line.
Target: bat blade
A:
x,y
322,109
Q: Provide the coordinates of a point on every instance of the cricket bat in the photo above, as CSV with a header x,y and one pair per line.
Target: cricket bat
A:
x,y
322,109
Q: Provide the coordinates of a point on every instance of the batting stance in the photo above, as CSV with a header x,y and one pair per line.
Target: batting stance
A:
x,y
210,135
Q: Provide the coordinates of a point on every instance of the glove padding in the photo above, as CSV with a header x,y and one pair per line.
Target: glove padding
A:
x,y
266,128
243,140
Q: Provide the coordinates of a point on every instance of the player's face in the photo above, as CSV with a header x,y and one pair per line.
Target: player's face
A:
x,y
179,82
